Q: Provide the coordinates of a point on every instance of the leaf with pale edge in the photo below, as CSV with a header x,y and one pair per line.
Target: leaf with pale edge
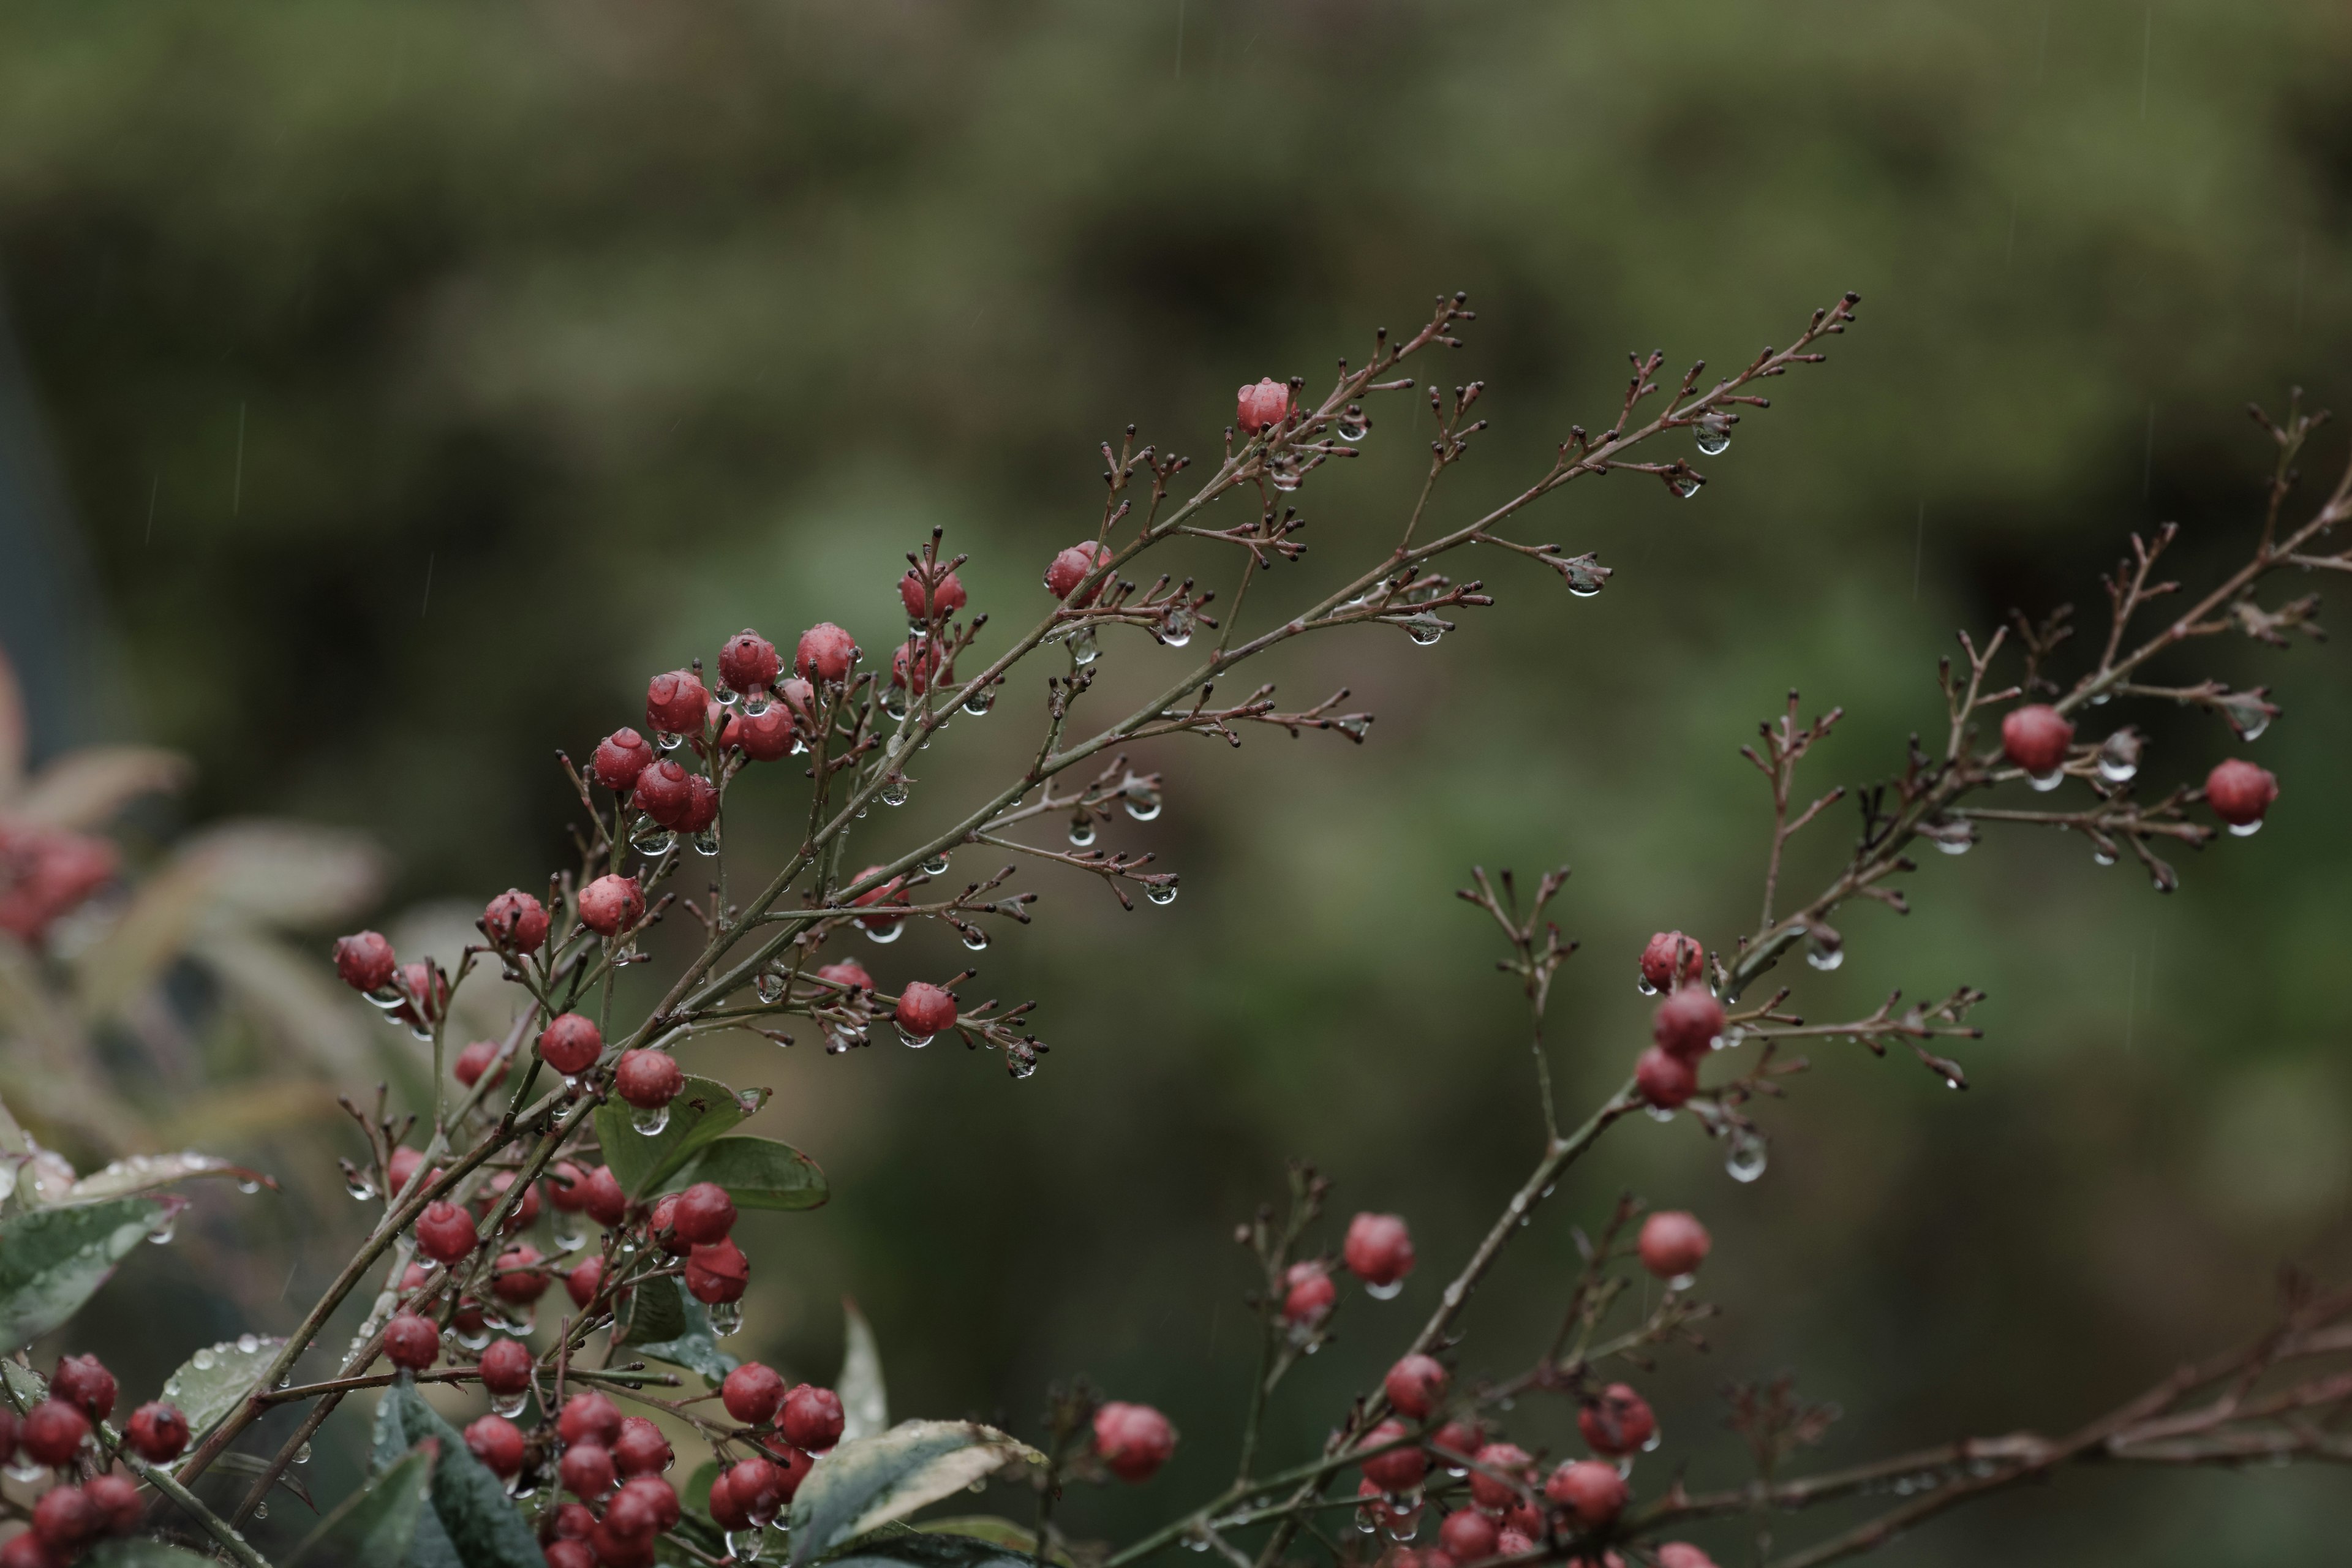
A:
x,y
145,1173
54,1259
862,1486
668,1324
865,1404
472,1523
758,1174
704,1108
215,1380
374,1527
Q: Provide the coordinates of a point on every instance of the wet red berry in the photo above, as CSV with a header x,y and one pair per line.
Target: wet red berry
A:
x,y
1674,1243
848,972
1311,1297
717,1273
571,1044
764,736
1666,1081
498,1443
675,703
649,1079
1514,1543
725,1511
506,1366
1379,1250
587,1471
1681,1554
1618,1423
444,1233
664,792
582,1282
748,662
1399,1470
120,1508
1467,1535
1594,1492
601,1192
887,893
53,1430
515,921
515,1278
916,665
363,960
2035,738
752,1393
403,1164
1496,1460
663,1225
641,1450
83,1380
26,1550
947,595
1687,1023
494,1194
1415,1384
65,1520
571,1553
1462,1438
704,1214
812,1418
589,1418
157,1432
1658,966
1262,406
1070,568
1133,1440
610,904
620,757
659,1497
701,804
2239,791
564,1188
924,1010
474,1060
758,1487
411,1341
825,653
423,982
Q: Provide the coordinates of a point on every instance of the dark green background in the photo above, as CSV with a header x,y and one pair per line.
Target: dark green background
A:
x,y
625,324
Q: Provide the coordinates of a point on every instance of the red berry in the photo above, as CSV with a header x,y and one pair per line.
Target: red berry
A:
x,y
918,665
825,653
1415,1384
620,757
591,1418
563,1187
444,1233
1379,1250
887,893
570,1554
630,1515
947,595
1594,1492
675,703
53,1431
423,982
725,1511
26,1550
701,804
582,1282
1399,1470
1462,1438
1262,406
924,1010
571,1044
515,1279
363,960
1467,1534
586,1470
1674,1243
474,1060
812,1418
1618,1423
120,1506
848,973
649,1079
403,1165
704,1214
1496,1459
1134,1440
64,1519
574,1520
1524,1517
411,1342
664,793
515,921
764,736
758,1487
748,662
600,1191
506,1366
717,1273
792,1465
1681,1554
752,1393
1514,1543
1658,960
641,1450
493,1193
610,904
83,1380
1070,568
614,1550
496,1442
2035,738
659,1496
1666,1081
1311,1297
157,1432
1687,1023
2240,792
663,1225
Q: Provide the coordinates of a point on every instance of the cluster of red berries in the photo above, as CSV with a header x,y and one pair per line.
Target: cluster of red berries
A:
x,y
1686,1025
46,873
2036,738
1378,1251
54,1433
1504,1516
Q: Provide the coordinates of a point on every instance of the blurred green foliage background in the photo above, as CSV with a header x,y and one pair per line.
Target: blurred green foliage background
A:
x,y
422,375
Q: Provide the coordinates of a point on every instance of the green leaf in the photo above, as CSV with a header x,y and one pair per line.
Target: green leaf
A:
x,y
758,1174
472,1523
703,1109
140,1554
925,1549
865,1404
696,1494
864,1485
668,1324
146,1172
991,1530
373,1527
54,1259
215,1380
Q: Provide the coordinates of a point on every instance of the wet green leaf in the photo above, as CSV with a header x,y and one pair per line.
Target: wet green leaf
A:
x,y
758,1174
472,1522
864,1485
54,1259
864,1404
374,1527
930,1549
703,1109
148,1173
668,1324
215,1380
